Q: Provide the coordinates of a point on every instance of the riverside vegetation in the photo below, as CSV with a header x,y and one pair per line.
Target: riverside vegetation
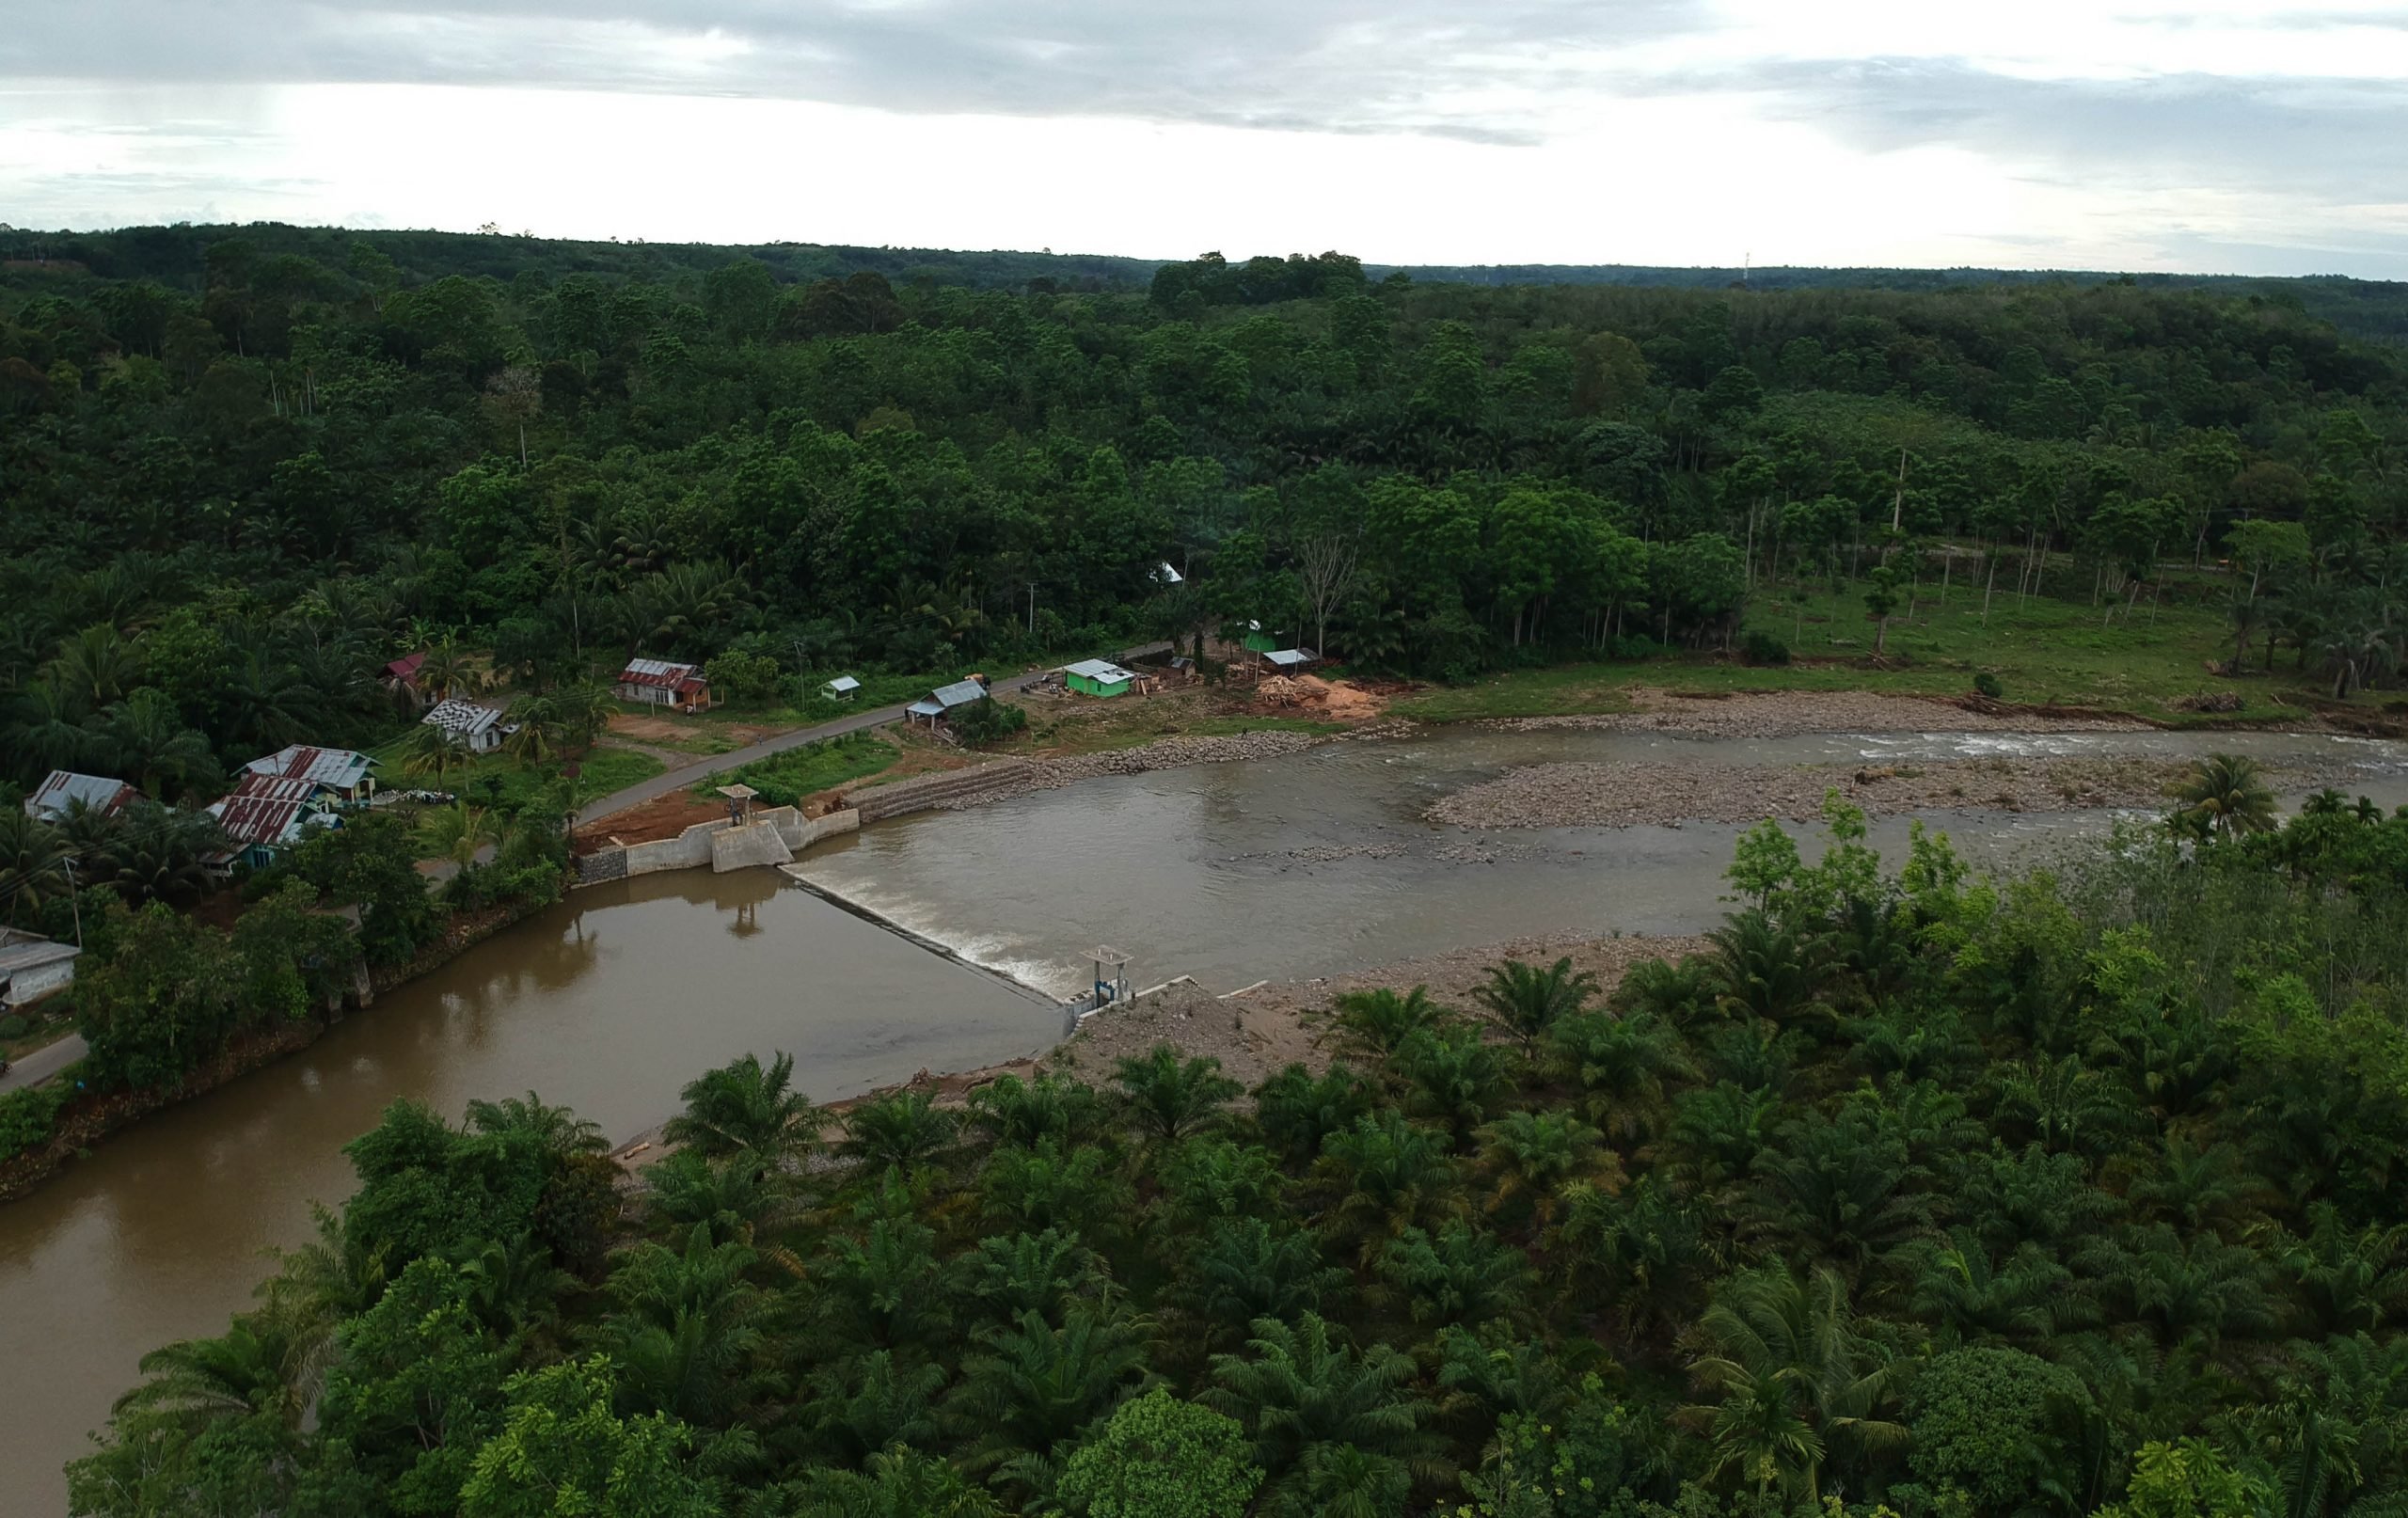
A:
x,y
1916,1193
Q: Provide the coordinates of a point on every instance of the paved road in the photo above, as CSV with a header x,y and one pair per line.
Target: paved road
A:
x,y
43,1063
687,774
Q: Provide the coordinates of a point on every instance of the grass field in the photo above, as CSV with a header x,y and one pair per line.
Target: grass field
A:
x,y
785,778
2041,651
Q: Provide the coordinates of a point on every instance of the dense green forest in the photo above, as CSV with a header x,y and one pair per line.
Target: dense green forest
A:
x,y
243,472
1915,1193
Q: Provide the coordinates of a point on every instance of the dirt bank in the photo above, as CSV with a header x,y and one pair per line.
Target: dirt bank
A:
x,y
1772,713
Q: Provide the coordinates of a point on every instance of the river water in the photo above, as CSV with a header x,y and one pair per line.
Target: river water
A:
x,y
1283,869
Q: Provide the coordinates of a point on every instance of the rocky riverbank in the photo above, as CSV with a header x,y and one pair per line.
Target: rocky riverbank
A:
x,y
1633,794
1774,714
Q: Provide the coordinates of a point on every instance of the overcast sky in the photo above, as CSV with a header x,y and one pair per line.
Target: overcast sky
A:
x,y
2213,136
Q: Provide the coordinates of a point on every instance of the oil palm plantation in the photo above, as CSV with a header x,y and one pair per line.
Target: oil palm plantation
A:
x,y
1317,1409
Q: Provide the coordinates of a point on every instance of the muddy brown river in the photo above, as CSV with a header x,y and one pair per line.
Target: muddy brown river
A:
x,y
1282,869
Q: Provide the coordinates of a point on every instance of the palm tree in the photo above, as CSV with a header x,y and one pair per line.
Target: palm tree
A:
x,y
1307,1399
1245,1267
449,671
732,1195
1169,1098
455,833
1031,1389
1624,1063
513,1286
428,754
199,1382
687,1331
32,863
1454,1075
904,1129
48,726
539,734
1532,1158
156,853
1791,1380
1010,1110
1527,1001
99,665
147,743
2226,796
859,1407
1377,1022
1761,970
1394,1174
562,1134
748,1108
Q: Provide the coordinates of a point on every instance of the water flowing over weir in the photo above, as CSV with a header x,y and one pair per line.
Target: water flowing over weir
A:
x,y
1283,868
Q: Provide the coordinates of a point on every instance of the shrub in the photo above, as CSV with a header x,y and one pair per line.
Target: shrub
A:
x,y
30,1114
1762,648
13,1026
1987,685
987,721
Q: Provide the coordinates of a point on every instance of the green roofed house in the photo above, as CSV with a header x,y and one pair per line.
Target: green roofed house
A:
x,y
1098,677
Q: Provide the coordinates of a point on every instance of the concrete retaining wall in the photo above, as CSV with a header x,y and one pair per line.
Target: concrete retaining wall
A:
x,y
697,848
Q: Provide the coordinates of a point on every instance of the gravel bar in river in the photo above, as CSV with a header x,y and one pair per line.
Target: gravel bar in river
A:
x,y
1631,795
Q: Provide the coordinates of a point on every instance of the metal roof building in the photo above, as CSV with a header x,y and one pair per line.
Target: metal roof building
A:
x,y
663,683
336,769
32,968
62,788
1291,659
477,729
1098,677
945,698
843,685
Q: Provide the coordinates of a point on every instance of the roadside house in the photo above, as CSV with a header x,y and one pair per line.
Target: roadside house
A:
x,y
59,790
400,677
477,729
265,816
660,683
939,704
32,968
1098,677
336,774
843,687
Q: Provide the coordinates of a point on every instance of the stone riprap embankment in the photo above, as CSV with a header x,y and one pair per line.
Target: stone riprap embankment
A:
x,y
1775,714
1621,796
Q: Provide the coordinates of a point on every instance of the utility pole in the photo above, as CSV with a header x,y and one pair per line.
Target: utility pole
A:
x,y
1032,608
73,906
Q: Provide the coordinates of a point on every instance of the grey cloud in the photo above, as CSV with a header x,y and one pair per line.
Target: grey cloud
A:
x,y
1319,65
2337,139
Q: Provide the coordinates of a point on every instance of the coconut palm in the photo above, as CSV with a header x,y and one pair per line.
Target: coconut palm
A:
x,y
2226,796
431,755
539,734
449,670
1527,1001
457,832
749,1108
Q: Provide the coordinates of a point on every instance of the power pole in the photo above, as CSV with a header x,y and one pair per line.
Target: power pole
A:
x,y
1032,608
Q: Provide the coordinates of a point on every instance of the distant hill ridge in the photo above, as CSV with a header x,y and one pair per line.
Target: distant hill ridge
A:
x,y
2370,309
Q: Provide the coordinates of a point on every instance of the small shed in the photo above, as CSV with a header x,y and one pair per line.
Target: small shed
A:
x,y
477,729
1289,660
1098,677
661,683
32,968
55,797
843,687
936,704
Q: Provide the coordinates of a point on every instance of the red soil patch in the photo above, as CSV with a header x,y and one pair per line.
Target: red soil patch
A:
x,y
647,822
